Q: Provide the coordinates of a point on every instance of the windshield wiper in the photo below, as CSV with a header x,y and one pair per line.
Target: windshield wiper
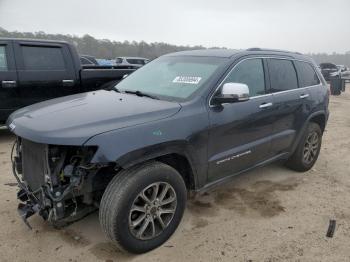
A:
x,y
139,93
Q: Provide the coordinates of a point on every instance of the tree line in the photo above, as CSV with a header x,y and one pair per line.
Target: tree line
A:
x,y
107,49
104,48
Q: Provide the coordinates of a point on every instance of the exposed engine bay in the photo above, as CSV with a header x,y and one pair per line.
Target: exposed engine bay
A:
x,y
58,182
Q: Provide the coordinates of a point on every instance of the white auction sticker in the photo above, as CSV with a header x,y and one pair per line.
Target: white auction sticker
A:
x,y
194,80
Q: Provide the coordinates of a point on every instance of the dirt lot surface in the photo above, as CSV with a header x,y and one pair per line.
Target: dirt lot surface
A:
x,y
270,214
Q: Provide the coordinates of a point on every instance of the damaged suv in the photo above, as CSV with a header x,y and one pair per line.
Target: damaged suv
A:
x,y
182,123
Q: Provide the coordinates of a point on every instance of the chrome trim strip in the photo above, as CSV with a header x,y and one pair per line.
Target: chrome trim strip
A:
x,y
291,90
266,57
255,97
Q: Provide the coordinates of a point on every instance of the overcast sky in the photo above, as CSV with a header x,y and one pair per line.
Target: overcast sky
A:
x,y
298,25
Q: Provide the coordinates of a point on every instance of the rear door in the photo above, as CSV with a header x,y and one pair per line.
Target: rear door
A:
x,y
289,104
45,71
311,88
9,93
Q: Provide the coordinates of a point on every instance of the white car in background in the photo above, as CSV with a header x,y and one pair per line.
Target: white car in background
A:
x,y
344,71
135,62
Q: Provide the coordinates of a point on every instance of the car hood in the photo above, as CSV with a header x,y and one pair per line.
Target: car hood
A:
x,y
74,119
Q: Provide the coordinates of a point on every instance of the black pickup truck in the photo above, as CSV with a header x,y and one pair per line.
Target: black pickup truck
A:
x,y
32,71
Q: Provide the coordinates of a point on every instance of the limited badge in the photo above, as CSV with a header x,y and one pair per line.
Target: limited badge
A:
x,y
193,80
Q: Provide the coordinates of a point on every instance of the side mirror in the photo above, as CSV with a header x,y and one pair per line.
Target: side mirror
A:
x,y
232,93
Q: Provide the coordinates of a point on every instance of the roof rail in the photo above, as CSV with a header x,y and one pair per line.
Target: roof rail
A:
x,y
271,50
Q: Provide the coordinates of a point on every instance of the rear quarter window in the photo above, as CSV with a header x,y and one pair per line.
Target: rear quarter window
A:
x,y
307,74
283,76
42,58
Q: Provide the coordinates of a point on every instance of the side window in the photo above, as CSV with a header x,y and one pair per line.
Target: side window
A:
x,y
307,74
251,73
42,58
282,75
3,60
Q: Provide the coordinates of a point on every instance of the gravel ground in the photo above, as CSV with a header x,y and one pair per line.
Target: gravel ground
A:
x,y
269,214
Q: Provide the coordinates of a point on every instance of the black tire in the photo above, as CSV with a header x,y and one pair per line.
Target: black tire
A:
x,y
297,161
121,194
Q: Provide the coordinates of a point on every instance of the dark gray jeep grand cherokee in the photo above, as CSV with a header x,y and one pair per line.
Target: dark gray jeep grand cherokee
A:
x,y
183,123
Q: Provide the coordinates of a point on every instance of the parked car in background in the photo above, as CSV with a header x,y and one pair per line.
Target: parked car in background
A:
x,y
88,60
131,61
105,62
32,71
328,70
342,68
344,71
185,122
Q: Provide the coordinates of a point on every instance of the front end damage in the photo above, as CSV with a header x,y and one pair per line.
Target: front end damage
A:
x,y
58,182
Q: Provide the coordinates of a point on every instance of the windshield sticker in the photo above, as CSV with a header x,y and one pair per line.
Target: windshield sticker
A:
x,y
193,80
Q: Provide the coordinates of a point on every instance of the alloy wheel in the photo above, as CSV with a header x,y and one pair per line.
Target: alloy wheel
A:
x,y
311,148
152,211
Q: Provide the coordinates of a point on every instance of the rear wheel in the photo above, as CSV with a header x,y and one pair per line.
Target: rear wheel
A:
x,y
308,149
142,207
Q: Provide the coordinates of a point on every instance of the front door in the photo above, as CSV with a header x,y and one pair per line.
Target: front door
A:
x,y
239,134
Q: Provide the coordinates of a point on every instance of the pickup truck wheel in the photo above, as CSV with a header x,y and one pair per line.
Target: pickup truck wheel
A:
x,y
142,207
308,149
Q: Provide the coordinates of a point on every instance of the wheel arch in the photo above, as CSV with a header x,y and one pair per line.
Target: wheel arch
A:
x,y
176,154
319,117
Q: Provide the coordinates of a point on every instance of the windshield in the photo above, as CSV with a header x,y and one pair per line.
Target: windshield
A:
x,y
172,78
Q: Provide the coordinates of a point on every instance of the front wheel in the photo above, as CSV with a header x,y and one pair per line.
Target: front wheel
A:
x,y
308,149
142,207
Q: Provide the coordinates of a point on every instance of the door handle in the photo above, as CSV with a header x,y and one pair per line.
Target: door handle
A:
x,y
9,84
265,105
67,82
304,96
